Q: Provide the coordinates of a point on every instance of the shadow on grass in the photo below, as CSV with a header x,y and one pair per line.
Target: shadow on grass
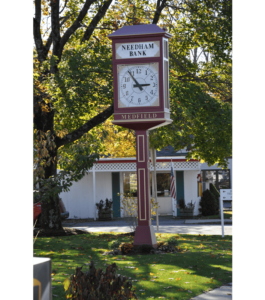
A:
x,y
206,266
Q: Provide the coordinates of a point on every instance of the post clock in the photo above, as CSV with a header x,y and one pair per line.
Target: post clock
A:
x,y
141,102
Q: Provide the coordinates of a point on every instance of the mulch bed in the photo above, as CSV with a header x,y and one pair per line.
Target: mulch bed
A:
x,y
136,250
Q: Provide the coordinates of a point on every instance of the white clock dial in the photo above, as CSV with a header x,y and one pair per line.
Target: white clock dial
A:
x,y
138,85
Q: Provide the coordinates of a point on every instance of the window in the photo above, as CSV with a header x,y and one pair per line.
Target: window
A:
x,y
219,178
163,184
130,183
162,179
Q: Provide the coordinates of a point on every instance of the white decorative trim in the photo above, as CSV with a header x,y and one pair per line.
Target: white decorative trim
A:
x,y
139,194
143,148
160,166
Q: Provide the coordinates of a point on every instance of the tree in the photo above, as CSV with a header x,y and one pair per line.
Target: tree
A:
x,y
73,89
208,204
216,194
200,89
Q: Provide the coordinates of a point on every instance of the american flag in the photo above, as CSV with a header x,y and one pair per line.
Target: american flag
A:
x,y
172,184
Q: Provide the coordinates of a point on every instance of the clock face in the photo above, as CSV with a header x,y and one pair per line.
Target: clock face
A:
x,y
138,85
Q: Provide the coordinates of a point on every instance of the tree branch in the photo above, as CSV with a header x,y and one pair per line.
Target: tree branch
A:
x,y
101,13
48,45
55,5
78,133
228,100
194,77
64,19
75,25
37,32
66,1
159,9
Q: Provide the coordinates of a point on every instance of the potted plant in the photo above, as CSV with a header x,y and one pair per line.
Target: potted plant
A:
x,y
186,210
104,210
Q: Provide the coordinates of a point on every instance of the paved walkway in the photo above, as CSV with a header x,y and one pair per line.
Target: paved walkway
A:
x,y
200,229
235,291
166,225
222,293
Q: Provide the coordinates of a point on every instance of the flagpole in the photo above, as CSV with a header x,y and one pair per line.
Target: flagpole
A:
x,y
157,221
174,207
154,187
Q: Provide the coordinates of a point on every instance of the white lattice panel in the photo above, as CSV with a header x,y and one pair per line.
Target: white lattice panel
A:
x,y
160,166
180,165
112,167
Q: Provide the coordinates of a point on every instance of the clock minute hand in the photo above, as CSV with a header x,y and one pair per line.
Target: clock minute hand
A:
x,y
137,84
144,84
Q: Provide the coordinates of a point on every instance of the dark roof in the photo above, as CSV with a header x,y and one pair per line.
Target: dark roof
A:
x,y
169,151
137,29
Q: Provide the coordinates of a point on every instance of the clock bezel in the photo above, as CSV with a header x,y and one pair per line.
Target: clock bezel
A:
x,y
118,109
119,85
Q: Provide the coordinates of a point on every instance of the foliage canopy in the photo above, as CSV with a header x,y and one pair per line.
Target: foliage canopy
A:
x,y
73,84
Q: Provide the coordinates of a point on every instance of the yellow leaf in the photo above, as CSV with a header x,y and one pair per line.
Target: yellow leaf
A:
x,y
152,274
178,278
66,284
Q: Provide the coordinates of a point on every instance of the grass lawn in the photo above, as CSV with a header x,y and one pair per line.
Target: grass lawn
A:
x,y
205,264
227,215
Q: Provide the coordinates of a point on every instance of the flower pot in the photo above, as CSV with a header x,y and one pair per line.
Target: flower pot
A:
x,y
186,213
105,215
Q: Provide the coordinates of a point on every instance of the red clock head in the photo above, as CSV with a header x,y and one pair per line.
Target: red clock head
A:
x,y
140,76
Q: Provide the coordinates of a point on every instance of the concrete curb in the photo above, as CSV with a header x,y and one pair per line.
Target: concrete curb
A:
x,y
210,221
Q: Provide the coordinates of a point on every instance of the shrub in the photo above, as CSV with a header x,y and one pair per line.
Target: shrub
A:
x,y
208,204
98,285
189,205
172,241
145,248
100,205
166,247
181,203
160,244
104,206
114,245
125,248
216,194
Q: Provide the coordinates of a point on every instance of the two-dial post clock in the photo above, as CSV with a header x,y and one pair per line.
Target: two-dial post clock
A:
x,y
141,102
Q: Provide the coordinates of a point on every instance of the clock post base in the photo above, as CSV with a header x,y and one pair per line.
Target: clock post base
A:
x,y
145,234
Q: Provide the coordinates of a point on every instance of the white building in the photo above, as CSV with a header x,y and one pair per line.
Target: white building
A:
x,y
113,176
110,176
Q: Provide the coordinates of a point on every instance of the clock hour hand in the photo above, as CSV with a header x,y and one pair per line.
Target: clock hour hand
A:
x,y
136,82
145,84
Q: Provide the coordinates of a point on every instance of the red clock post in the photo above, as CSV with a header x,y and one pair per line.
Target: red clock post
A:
x,y
141,102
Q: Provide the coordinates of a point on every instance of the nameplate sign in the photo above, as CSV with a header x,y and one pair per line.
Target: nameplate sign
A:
x,y
137,50
139,116
226,194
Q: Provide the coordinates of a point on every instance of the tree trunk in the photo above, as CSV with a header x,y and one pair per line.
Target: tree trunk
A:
x,y
50,212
